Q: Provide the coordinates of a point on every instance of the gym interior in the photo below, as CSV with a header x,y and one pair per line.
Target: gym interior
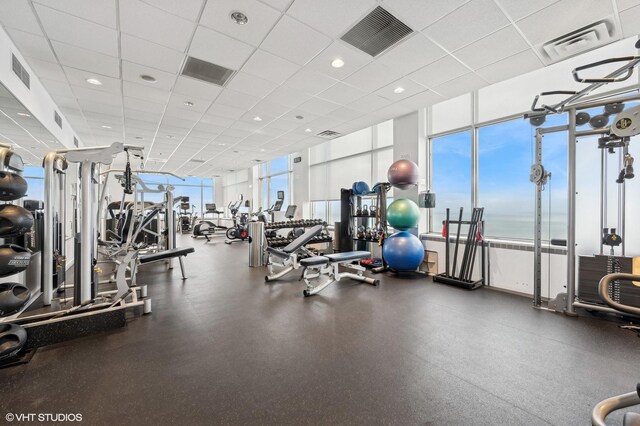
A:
x,y
319,212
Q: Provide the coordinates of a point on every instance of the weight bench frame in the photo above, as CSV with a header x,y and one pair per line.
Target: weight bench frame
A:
x,y
287,257
179,253
330,267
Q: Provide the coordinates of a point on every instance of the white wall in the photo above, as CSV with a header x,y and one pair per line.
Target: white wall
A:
x,y
300,183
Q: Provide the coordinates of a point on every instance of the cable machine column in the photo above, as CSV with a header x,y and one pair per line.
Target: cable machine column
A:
x,y
571,213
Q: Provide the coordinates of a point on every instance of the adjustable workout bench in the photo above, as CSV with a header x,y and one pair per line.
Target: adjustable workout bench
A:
x,y
317,266
142,259
287,257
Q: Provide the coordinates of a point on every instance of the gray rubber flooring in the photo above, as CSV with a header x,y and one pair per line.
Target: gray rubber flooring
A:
x,y
223,347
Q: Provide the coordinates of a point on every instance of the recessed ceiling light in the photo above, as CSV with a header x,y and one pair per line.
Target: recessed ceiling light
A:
x,y
24,114
94,81
299,117
221,144
398,89
239,18
307,130
236,152
138,137
170,136
261,149
337,63
148,78
256,118
188,103
104,126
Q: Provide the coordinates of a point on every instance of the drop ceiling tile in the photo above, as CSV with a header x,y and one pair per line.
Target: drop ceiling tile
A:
x,y
410,88
341,93
224,111
178,100
512,66
286,96
175,121
268,108
66,104
137,115
331,17
418,14
309,82
196,88
282,125
57,88
150,54
188,116
149,126
536,27
79,32
79,78
236,133
292,116
237,99
216,120
228,52
483,52
100,108
46,69
353,60
150,23
460,85
630,21
373,76
294,41
318,106
187,9
18,14
144,92
480,18
422,99
412,54
31,45
142,105
438,72
270,67
131,72
369,103
627,4
87,60
247,124
251,85
261,18
518,9
98,11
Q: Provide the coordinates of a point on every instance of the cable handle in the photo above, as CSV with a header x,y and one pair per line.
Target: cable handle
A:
x,y
626,76
127,175
546,108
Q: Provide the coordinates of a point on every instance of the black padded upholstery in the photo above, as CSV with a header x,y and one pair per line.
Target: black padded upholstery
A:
x,y
314,261
301,240
166,254
277,252
347,256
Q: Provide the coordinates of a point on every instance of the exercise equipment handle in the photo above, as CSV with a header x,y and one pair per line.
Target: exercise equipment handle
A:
x,y
546,108
626,76
609,405
603,289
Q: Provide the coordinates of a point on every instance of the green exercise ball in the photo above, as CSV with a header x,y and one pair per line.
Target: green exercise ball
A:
x,y
403,214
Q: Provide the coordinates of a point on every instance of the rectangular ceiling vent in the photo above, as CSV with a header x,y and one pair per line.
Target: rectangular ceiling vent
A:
x,y
195,160
576,42
329,134
206,71
19,70
75,142
57,119
377,32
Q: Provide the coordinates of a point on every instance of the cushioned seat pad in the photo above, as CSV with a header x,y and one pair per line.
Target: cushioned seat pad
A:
x,y
314,261
348,255
166,254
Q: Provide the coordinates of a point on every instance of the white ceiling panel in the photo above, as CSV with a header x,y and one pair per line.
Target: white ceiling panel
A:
x,y
88,60
423,99
318,106
143,91
46,69
353,60
627,4
270,67
518,9
460,85
342,94
309,82
187,9
512,66
412,54
251,85
79,78
409,87
32,45
369,103
224,111
150,54
142,105
261,18
332,17
419,14
237,99
76,31
100,108
131,72
196,88
286,96
18,14
216,120
178,100
150,23
438,72
480,18
58,88
483,52
373,76
630,21
267,108
101,12
228,52
137,115
294,41
537,27
189,117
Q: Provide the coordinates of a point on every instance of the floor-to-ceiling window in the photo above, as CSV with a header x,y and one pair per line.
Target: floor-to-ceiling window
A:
x,y
275,175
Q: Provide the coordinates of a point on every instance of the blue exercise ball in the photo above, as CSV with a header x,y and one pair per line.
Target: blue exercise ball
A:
x,y
403,251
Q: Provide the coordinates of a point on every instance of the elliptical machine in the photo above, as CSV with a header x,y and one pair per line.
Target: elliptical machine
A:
x,y
186,215
239,230
205,228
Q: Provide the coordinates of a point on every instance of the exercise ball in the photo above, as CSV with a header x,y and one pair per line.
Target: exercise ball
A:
x,y
12,186
12,340
360,188
14,220
403,251
403,174
13,296
403,214
13,259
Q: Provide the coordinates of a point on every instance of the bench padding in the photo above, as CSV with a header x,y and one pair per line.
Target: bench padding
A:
x,y
166,254
347,256
314,261
302,239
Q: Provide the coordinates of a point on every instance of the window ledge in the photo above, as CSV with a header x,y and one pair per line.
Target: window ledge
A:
x,y
502,244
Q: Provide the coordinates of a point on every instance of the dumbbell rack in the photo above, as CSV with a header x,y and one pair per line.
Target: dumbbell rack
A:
x,y
303,223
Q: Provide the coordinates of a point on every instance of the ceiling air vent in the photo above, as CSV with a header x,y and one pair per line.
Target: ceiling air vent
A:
x,y
206,71
19,70
330,134
195,160
75,142
377,32
57,119
590,37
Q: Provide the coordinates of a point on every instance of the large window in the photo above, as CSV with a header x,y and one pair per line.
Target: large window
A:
x,y
35,181
199,190
275,176
451,175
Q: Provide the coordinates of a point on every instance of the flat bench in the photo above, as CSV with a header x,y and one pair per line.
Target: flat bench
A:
x,y
287,256
178,252
327,266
